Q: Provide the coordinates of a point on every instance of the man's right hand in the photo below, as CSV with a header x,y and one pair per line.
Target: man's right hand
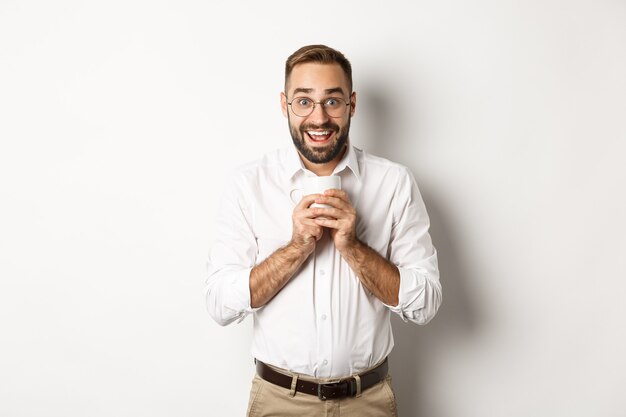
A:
x,y
271,275
305,231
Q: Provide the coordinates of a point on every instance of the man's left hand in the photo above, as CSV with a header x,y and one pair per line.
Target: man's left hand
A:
x,y
340,218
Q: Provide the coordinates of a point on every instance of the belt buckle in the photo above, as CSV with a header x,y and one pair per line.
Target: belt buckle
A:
x,y
320,395
350,388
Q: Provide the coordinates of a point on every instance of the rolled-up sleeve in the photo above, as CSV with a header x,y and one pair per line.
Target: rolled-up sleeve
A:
x,y
413,253
231,258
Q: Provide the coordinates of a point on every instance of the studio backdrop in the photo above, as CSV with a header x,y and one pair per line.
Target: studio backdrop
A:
x,y
120,122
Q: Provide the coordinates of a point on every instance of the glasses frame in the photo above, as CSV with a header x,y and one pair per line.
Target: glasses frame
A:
x,y
321,103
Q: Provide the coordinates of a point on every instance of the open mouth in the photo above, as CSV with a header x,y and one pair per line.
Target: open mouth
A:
x,y
319,137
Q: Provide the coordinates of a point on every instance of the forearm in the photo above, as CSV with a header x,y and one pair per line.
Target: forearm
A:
x,y
271,275
376,273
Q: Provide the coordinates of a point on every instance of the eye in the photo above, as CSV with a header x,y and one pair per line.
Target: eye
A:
x,y
332,102
303,102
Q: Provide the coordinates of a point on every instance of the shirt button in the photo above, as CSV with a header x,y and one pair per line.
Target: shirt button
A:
x,y
325,362
322,272
323,316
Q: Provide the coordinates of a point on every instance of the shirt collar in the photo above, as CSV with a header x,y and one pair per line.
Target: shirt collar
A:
x,y
293,164
349,161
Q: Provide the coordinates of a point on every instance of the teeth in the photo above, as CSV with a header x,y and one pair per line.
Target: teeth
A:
x,y
318,133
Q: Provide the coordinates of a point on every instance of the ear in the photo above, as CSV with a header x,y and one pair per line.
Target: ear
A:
x,y
283,103
352,103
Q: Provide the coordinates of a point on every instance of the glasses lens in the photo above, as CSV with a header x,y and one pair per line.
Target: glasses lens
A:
x,y
302,106
335,107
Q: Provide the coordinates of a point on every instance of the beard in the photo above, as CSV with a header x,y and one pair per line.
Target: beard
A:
x,y
320,155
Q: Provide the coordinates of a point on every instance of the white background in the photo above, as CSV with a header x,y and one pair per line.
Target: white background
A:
x,y
119,120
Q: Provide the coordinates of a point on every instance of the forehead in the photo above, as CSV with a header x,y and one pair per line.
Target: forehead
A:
x,y
318,77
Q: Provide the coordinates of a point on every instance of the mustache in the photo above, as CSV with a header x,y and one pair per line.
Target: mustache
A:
x,y
327,126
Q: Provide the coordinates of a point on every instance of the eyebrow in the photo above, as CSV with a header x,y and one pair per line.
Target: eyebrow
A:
x,y
310,90
334,90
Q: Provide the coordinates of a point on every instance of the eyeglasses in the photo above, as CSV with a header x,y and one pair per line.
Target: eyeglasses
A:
x,y
333,106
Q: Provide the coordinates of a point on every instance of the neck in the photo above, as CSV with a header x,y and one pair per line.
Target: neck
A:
x,y
323,169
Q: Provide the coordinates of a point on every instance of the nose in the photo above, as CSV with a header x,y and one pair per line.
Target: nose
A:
x,y
319,115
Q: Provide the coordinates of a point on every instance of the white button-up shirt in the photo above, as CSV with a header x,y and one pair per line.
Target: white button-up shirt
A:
x,y
324,322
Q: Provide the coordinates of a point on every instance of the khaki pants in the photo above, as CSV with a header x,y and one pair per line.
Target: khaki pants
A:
x,y
267,399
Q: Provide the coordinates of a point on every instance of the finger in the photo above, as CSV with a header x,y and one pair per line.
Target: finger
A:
x,y
328,212
318,236
334,202
314,232
330,223
334,192
310,234
307,213
308,223
307,226
306,201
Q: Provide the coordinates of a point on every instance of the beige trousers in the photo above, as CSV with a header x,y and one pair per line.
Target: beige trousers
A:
x,y
267,399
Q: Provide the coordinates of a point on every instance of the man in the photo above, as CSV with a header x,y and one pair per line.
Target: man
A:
x,y
321,282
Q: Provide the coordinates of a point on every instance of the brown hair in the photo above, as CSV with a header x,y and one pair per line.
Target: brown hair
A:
x,y
320,54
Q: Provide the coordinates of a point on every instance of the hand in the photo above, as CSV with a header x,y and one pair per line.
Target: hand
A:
x,y
306,232
340,218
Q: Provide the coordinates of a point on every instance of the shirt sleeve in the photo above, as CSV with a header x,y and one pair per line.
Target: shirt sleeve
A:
x,y
412,251
231,258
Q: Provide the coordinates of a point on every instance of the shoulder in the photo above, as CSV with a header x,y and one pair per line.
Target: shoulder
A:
x,y
373,165
253,170
270,159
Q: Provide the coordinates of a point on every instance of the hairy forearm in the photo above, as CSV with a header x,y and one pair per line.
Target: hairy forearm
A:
x,y
376,273
271,275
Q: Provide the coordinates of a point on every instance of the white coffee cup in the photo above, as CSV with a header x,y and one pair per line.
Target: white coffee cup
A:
x,y
317,185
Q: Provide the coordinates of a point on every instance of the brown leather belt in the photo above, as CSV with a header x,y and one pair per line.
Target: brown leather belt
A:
x,y
326,391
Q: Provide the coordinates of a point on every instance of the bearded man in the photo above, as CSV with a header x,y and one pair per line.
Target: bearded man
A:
x,y
322,273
